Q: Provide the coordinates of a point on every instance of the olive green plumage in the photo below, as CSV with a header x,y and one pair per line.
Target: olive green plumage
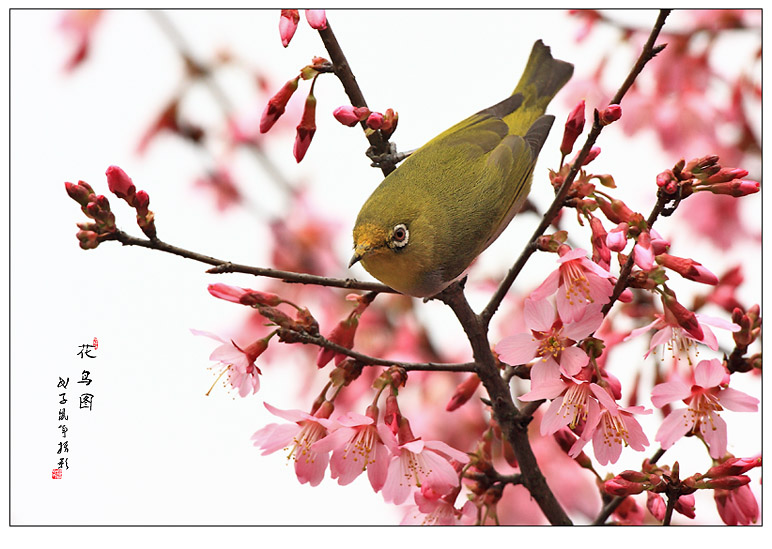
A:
x,y
430,218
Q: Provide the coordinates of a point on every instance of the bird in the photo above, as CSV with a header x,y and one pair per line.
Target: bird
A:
x,y
428,220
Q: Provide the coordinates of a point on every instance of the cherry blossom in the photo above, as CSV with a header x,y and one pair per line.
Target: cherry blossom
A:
x,y
238,363
356,447
417,462
552,340
705,397
298,436
578,283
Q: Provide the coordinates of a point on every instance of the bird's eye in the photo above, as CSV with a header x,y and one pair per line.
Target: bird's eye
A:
x,y
399,236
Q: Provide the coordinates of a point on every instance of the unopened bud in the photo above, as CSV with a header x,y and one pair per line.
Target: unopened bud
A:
x,y
687,268
120,184
288,24
573,128
733,467
464,392
618,486
317,19
610,114
277,104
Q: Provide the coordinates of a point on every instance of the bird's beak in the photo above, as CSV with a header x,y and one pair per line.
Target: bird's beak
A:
x,y
354,259
360,251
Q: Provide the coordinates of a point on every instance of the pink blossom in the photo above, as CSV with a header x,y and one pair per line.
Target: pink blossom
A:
x,y
432,508
418,462
356,447
656,505
705,397
643,254
237,362
671,335
617,237
577,281
609,426
299,436
81,24
738,506
277,104
551,339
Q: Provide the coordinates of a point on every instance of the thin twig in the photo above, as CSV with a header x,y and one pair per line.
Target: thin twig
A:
x,y
302,337
221,266
342,70
648,52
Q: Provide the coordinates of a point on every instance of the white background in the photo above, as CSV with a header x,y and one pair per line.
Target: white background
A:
x,y
155,450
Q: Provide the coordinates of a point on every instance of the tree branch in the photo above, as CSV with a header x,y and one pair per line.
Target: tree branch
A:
x,y
513,424
648,52
221,266
342,70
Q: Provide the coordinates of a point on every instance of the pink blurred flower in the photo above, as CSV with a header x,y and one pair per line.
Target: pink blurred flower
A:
x,y
705,397
237,362
577,281
81,25
356,447
299,436
221,182
738,506
418,462
432,508
552,340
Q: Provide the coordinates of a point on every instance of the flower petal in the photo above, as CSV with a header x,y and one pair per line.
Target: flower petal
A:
x,y
674,426
670,391
539,314
713,429
517,349
737,401
709,373
572,360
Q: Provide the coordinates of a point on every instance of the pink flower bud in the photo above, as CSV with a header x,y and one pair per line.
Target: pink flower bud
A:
x,y
120,184
634,476
726,174
592,155
573,128
665,178
687,268
375,121
464,392
617,238
343,335
736,188
390,119
642,252
685,505
88,239
601,254
80,192
350,116
616,211
610,114
141,203
683,316
288,24
317,19
733,466
618,486
227,292
306,128
725,483
277,104
658,244
656,505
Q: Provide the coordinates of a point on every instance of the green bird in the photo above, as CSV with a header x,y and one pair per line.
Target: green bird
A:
x,y
425,224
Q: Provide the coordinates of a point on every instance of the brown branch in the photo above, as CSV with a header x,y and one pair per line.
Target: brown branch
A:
x,y
512,422
342,70
291,336
648,52
221,266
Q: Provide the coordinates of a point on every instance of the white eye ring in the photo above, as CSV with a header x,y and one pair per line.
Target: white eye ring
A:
x,y
400,236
